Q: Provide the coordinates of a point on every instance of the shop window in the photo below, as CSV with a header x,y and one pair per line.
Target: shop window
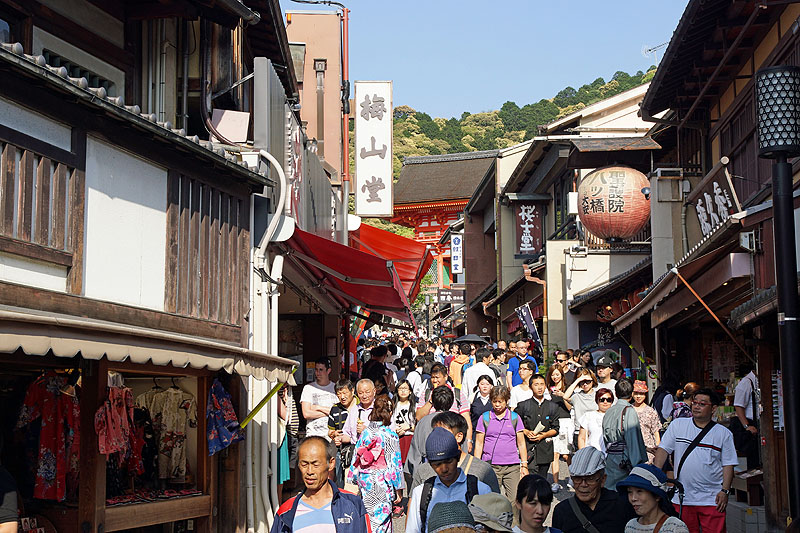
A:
x,y
149,425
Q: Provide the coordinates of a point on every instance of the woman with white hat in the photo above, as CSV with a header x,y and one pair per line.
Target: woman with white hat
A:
x,y
647,493
492,512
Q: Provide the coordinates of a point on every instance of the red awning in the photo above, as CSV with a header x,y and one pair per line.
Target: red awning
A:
x,y
351,276
410,258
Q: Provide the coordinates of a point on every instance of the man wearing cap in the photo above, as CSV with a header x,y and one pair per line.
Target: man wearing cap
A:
x,y
449,485
603,365
593,504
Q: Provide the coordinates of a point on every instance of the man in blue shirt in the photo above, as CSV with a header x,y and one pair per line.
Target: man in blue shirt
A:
x,y
520,354
450,483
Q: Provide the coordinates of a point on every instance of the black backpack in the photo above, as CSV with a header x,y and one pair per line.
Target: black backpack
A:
x,y
657,402
427,493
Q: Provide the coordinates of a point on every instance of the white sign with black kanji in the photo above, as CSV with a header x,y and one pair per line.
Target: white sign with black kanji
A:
x,y
373,149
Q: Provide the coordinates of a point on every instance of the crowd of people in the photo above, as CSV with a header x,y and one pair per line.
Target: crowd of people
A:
x,y
464,436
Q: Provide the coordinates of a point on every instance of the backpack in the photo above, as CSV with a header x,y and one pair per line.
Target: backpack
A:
x,y
487,418
427,493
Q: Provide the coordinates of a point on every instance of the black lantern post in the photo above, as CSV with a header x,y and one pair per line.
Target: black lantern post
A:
x,y
778,124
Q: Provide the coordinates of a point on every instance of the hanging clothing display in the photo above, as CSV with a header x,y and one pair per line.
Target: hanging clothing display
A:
x,y
223,425
172,411
59,437
113,422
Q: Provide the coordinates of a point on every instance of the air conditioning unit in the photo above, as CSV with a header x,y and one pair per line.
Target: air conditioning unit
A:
x,y
669,184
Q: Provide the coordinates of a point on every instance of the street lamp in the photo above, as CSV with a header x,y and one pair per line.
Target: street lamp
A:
x,y
777,95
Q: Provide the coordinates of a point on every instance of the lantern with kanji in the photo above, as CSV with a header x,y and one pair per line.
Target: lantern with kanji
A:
x,y
612,203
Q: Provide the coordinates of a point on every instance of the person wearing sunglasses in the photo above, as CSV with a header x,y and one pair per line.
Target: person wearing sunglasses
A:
x,y
591,424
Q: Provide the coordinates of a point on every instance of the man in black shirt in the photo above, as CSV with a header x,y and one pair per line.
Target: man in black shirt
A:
x,y
345,391
540,418
604,509
375,370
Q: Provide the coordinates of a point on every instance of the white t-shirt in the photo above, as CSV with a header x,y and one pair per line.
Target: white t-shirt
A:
x,y
612,383
701,474
744,394
471,377
324,397
592,422
516,529
415,379
673,524
519,395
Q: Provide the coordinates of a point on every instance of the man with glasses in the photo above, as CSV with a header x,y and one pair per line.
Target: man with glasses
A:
x,y
592,504
704,456
520,354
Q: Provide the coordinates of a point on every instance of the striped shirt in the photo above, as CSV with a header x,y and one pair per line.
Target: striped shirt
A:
x,y
308,519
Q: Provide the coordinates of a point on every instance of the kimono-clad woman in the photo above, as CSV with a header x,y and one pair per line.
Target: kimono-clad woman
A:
x,y
377,467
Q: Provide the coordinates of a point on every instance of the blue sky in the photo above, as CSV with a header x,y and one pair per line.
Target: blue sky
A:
x,y
446,57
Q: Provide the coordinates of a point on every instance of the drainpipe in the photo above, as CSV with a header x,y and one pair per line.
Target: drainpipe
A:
x,y
185,78
249,465
345,124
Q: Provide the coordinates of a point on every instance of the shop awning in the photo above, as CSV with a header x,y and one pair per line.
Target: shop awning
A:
x,y
37,333
351,276
410,258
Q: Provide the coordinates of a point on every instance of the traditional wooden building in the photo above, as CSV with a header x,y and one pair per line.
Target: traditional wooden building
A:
x,y
431,193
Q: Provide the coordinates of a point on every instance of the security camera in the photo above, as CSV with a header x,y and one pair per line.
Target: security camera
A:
x,y
646,192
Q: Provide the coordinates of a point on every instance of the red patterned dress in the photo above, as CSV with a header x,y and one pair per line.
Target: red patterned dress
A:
x,y
59,438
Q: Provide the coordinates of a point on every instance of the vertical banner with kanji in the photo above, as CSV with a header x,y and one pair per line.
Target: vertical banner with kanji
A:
x,y
373,149
356,329
457,253
529,228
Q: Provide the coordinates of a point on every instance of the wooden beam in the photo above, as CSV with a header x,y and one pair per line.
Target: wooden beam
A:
x,y
42,225
173,237
7,190
25,198
32,250
58,227
77,208
69,304
92,482
149,514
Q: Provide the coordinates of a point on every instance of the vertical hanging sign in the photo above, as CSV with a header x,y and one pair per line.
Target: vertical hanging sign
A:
x,y
529,228
457,253
373,149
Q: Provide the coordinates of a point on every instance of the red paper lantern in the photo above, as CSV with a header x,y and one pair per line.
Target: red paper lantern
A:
x,y
611,203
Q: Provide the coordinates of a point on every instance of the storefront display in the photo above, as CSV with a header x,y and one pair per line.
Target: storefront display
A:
x,y
156,453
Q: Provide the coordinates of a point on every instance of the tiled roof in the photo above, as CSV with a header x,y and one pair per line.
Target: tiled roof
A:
x,y
58,76
441,177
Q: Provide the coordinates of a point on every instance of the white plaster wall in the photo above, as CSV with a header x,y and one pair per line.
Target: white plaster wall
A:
x,y
599,269
125,227
90,16
30,123
32,273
